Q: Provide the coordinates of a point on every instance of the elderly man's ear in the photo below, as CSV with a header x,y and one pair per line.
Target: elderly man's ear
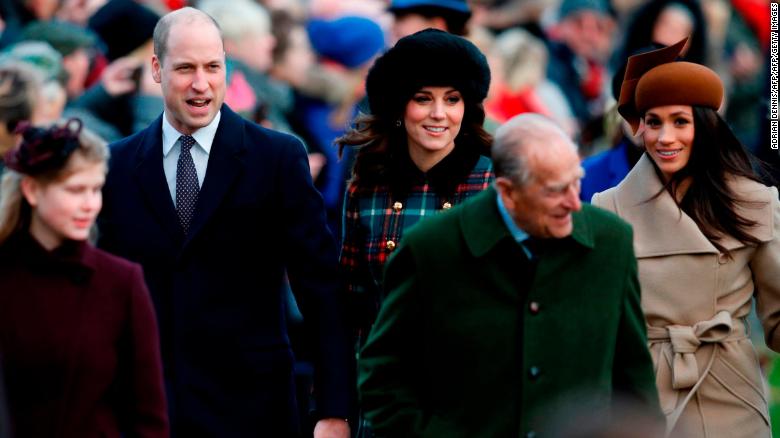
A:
x,y
505,187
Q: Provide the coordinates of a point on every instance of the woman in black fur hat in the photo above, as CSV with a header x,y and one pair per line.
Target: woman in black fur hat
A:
x,y
421,149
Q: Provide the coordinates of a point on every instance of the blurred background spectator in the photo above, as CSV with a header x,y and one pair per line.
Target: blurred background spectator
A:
x,y
411,16
346,46
579,44
249,44
519,64
18,97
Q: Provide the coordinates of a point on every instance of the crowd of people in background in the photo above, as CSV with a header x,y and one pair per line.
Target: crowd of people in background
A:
x,y
299,66
268,157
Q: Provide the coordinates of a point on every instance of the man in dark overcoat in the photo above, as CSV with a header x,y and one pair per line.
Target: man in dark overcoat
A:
x,y
509,308
216,209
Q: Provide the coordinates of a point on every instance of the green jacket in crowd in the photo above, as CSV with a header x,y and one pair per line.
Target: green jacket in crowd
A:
x,y
475,340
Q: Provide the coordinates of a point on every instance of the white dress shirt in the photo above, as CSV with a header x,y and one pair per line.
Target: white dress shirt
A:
x,y
171,150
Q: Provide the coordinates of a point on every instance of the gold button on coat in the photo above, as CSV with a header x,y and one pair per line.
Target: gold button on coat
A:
x,y
446,206
390,245
398,206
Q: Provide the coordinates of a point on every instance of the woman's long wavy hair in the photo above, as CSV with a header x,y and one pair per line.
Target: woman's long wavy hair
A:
x,y
380,141
15,211
717,156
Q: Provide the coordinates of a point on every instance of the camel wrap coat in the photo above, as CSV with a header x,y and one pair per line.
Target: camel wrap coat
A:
x,y
696,300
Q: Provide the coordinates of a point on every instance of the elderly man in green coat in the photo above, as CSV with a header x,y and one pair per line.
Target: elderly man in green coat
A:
x,y
505,310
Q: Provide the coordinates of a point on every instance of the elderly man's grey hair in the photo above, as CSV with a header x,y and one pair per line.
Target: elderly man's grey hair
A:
x,y
515,139
163,27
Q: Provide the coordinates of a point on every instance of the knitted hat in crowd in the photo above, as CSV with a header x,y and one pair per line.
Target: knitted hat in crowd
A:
x,y
350,41
427,58
40,56
448,5
569,7
123,25
64,37
654,79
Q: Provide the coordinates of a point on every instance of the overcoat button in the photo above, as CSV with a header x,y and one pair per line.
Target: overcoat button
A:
x,y
390,245
446,206
530,434
533,306
534,372
398,206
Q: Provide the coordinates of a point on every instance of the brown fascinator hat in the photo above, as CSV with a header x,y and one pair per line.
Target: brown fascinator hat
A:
x,y
655,79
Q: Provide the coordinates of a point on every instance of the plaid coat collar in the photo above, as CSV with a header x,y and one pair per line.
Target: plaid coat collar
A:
x,y
444,177
375,220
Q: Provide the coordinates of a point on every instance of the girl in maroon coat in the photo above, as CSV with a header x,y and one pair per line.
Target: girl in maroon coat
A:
x,y
78,336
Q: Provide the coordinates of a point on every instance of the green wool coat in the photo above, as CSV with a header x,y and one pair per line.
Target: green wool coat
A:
x,y
470,343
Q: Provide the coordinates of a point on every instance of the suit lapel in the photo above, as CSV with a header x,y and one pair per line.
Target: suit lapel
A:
x,y
150,177
224,167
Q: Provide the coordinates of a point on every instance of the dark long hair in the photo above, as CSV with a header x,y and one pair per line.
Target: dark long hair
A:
x,y
380,142
639,27
455,21
717,156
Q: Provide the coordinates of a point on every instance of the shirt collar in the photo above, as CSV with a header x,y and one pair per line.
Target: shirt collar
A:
x,y
204,136
517,233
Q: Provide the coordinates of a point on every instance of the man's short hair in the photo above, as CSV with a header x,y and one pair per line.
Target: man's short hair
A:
x,y
163,27
509,154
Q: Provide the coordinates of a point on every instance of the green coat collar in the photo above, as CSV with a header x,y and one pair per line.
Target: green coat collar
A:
x,y
483,227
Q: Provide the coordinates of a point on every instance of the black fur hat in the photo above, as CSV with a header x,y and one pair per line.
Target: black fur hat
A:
x,y
123,25
427,58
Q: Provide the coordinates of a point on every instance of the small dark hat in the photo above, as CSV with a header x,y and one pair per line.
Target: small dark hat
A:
x,y
569,7
43,149
427,58
64,37
654,79
123,25
449,5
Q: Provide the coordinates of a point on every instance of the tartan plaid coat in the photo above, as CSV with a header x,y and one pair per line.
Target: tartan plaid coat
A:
x,y
375,218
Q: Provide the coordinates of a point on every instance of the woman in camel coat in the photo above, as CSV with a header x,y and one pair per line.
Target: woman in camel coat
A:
x,y
707,238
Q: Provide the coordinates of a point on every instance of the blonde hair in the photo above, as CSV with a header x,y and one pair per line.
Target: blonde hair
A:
x,y
15,212
238,18
524,58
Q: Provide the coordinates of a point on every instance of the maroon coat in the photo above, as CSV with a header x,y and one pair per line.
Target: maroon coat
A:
x,y
78,343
